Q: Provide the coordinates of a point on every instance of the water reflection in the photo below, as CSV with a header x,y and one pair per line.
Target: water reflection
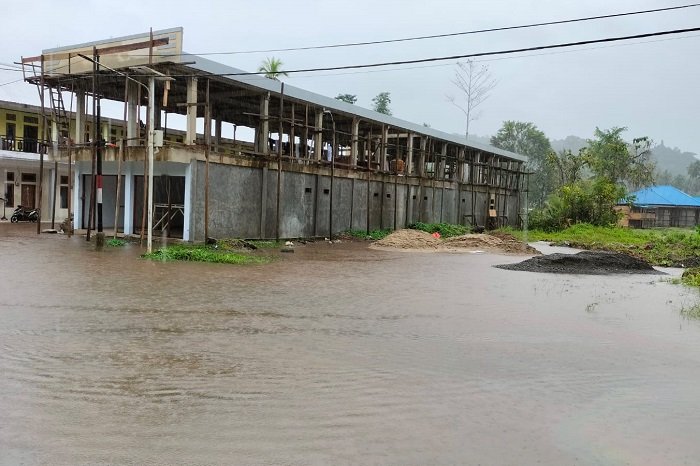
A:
x,y
338,354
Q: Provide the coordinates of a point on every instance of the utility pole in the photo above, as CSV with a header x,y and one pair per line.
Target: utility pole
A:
x,y
333,154
151,131
100,237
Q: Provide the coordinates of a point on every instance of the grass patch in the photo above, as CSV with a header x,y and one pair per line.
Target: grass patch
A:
x,y
659,246
692,312
115,243
200,253
373,235
446,230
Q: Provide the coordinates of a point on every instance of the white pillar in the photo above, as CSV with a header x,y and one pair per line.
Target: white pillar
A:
x,y
132,117
79,135
355,139
318,135
77,188
191,137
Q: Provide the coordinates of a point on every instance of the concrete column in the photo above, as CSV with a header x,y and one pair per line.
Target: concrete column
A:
x,y
128,211
157,113
191,136
132,116
421,159
264,126
77,188
385,135
441,166
460,165
217,133
189,183
409,155
105,131
318,135
79,135
355,140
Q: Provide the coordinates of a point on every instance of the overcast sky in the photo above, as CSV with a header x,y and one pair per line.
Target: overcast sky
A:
x,y
650,86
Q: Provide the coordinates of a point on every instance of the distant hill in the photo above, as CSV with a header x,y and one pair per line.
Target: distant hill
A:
x,y
572,143
674,160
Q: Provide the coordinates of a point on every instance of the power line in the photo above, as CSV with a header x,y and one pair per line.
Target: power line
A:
x,y
453,34
457,57
503,58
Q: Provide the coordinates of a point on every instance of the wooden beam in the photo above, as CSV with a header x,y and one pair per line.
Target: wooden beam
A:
x,y
103,51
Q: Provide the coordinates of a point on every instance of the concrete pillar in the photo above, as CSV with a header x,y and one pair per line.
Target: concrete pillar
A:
x,y
191,136
105,131
264,126
189,185
132,116
409,154
79,136
77,188
461,162
355,140
128,210
54,138
421,159
318,135
440,174
385,135
217,133
157,114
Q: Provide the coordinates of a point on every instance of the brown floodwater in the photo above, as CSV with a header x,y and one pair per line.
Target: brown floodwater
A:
x,y
338,354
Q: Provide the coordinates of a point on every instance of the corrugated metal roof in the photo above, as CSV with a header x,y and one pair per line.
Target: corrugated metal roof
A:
x,y
209,66
663,196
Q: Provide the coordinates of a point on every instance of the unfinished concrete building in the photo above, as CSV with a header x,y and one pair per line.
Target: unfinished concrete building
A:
x,y
272,161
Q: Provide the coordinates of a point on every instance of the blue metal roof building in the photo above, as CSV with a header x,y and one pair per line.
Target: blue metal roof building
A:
x,y
663,196
661,206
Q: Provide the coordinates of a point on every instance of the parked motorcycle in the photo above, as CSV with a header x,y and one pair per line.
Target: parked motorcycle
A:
x,y
22,214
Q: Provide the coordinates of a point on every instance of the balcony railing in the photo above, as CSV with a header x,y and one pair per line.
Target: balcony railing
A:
x,y
29,145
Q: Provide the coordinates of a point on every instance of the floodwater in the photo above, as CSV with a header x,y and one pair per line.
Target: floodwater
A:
x,y
338,355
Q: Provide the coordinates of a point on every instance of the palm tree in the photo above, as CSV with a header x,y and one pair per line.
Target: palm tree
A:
x,y
271,67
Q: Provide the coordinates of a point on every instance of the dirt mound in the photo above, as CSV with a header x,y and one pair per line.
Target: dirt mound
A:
x,y
420,240
501,242
584,263
409,239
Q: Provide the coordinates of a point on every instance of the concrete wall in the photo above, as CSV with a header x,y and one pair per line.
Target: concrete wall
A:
x,y
243,202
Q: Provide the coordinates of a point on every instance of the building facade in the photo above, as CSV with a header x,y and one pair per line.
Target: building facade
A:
x,y
272,160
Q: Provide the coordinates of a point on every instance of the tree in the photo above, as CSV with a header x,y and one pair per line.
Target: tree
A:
x,y
615,167
381,103
349,98
612,158
526,139
568,168
475,84
272,66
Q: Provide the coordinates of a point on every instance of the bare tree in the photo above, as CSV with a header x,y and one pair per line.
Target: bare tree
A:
x,y
475,83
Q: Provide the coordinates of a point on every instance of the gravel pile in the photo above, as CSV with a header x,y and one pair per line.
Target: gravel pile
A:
x,y
585,263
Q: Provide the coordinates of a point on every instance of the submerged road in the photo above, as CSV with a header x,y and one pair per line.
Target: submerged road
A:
x,y
338,355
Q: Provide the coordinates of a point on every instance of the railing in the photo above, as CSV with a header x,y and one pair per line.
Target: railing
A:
x,y
29,145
